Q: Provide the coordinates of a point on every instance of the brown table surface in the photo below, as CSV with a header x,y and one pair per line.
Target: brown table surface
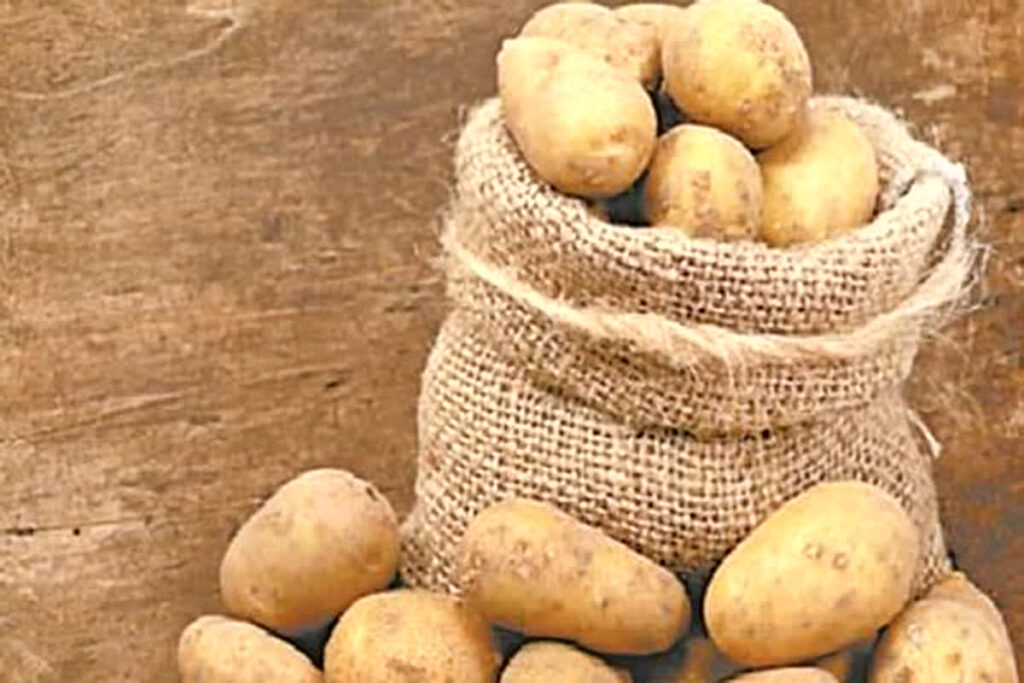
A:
x,y
216,226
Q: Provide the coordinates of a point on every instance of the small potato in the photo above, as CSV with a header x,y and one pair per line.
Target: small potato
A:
x,y
219,650
528,566
323,540
738,65
704,183
703,664
412,636
548,662
789,675
658,16
819,182
953,634
823,572
586,128
597,30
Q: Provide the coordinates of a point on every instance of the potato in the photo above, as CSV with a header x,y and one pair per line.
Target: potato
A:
x,y
704,183
819,182
215,649
597,30
824,571
323,540
738,65
530,567
658,16
410,635
703,664
585,127
790,675
953,634
541,662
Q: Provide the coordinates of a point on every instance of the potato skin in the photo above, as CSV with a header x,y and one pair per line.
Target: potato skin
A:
x,y
819,182
788,675
585,127
738,65
607,35
214,649
530,567
551,661
410,635
704,183
953,634
855,551
321,541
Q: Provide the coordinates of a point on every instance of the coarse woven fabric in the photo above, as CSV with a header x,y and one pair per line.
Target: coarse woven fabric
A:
x,y
675,391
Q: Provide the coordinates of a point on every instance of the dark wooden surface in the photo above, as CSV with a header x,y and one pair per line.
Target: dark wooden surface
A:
x,y
216,226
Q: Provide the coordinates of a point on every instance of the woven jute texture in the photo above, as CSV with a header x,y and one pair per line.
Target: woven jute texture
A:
x,y
673,391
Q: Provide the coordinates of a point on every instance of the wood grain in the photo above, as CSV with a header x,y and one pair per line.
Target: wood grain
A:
x,y
217,220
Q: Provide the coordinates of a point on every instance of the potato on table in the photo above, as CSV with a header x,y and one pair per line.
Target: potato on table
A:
x,y
819,182
215,649
410,636
824,571
585,127
704,183
787,675
551,662
323,540
738,65
530,567
953,634
611,37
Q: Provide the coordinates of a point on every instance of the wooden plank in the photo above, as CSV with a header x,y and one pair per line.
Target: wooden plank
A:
x,y
216,228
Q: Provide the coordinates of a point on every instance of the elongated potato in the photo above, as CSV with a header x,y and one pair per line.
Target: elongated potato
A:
x,y
323,540
586,128
705,184
802,674
819,182
412,636
215,649
825,571
529,567
607,35
953,634
738,65
546,661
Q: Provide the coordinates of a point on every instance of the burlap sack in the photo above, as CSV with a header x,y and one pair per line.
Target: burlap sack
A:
x,y
671,391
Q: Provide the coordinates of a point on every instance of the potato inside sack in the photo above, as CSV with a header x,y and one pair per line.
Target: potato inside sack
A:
x,y
323,540
738,65
215,649
609,36
411,635
527,566
704,183
585,127
548,661
823,572
819,182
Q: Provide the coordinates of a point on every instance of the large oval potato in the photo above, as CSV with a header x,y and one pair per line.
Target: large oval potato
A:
x,y
738,65
530,567
705,184
953,634
607,35
819,182
215,649
585,127
412,636
797,674
320,542
548,662
824,571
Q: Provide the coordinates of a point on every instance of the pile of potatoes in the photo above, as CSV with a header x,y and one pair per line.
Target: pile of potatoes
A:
x,y
698,120
543,597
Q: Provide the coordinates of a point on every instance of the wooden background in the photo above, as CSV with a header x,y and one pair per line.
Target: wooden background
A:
x,y
216,225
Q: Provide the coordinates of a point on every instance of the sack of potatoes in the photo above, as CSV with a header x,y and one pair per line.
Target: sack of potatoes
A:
x,y
820,591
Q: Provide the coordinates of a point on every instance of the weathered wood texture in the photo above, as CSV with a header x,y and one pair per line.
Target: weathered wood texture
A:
x,y
216,224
